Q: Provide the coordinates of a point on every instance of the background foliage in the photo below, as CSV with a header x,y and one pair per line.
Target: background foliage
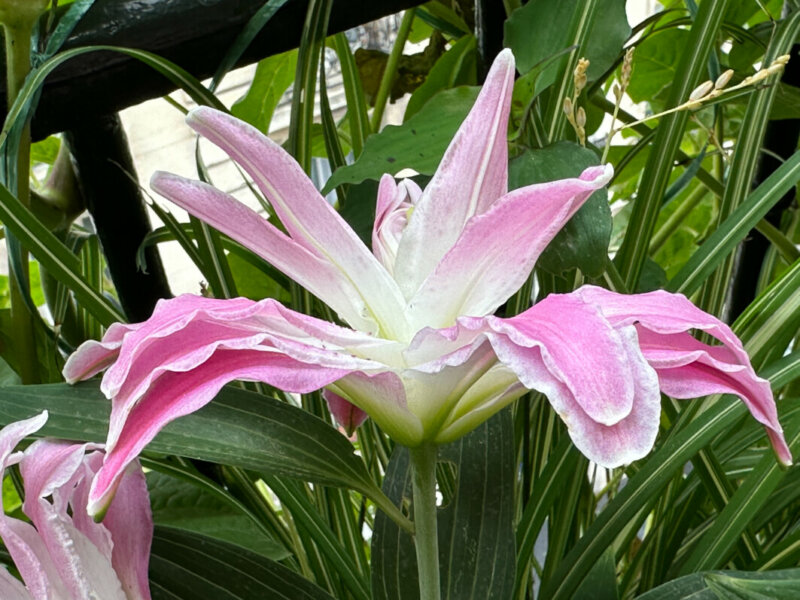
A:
x,y
259,489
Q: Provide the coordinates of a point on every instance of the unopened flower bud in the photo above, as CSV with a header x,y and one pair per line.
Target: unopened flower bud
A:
x,y
782,59
627,66
580,117
723,79
774,68
701,90
579,75
617,92
568,106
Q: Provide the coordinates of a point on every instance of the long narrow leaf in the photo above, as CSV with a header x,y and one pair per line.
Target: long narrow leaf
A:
x,y
59,261
723,241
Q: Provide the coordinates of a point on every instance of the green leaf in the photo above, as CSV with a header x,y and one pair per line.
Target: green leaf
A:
x,y
46,150
786,104
547,488
354,94
691,67
601,582
187,565
252,283
417,144
7,375
583,242
537,31
734,229
272,78
627,506
183,506
729,585
476,540
65,25
455,67
716,544
655,64
240,428
54,256
359,212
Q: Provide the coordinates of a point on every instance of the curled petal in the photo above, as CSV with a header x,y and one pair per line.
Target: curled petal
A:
x,y
611,411
175,394
686,367
178,360
578,348
185,332
96,356
129,520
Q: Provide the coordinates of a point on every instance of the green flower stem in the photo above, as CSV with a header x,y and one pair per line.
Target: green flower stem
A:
x,y
423,466
17,26
390,71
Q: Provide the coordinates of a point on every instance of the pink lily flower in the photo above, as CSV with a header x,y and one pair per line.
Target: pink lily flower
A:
x,y
64,554
423,356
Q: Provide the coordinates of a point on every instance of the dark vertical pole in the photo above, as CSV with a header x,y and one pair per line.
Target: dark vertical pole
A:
x,y
780,140
107,178
489,18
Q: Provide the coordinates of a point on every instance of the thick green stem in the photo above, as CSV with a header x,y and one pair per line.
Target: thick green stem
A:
x,y
423,464
18,64
390,72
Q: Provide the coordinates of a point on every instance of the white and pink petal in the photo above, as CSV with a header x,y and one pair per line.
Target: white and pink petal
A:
x,y
498,249
472,175
308,218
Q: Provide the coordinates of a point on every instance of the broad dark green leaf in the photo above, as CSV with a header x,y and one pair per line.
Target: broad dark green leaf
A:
x,y
418,144
273,76
476,539
729,585
359,212
188,566
239,428
537,31
583,242
181,505
655,64
455,67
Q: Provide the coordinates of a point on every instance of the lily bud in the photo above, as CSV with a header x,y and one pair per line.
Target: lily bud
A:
x,y
701,90
723,79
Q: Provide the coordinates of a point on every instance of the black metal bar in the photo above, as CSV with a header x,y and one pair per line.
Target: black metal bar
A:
x,y
195,34
490,16
107,179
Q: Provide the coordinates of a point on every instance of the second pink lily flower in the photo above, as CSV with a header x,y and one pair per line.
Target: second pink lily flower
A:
x,y
423,355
